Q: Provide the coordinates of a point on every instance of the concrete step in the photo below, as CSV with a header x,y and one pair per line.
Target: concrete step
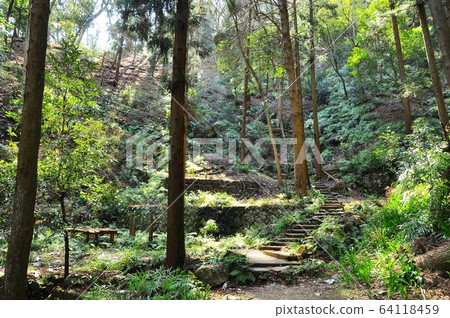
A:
x,y
281,255
272,247
329,212
293,231
288,240
257,258
295,235
272,269
275,243
304,226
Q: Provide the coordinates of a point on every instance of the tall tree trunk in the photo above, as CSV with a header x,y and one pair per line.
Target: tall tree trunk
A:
x,y
62,196
22,219
312,62
442,110
401,70
442,34
9,11
176,253
264,100
8,14
245,98
335,66
280,107
298,129
447,10
118,61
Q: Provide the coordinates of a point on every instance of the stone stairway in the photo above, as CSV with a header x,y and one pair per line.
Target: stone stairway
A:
x,y
276,257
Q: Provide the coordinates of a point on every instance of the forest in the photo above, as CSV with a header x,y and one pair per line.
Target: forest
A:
x,y
224,149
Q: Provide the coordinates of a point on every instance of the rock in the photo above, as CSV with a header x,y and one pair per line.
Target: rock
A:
x,y
62,294
76,280
213,275
330,281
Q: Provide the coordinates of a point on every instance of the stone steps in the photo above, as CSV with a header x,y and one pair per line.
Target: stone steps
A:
x,y
281,255
272,247
298,232
258,259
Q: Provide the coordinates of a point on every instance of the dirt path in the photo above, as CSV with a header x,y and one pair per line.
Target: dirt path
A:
x,y
303,288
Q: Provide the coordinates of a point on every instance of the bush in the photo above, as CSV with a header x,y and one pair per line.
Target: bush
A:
x,y
372,169
210,228
239,269
160,284
330,236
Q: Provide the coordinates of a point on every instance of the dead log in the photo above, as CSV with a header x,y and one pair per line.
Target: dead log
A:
x,y
435,259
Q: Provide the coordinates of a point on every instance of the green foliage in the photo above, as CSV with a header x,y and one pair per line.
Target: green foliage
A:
x,y
417,206
239,269
309,266
330,236
159,284
7,175
373,168
138,201
393,266
373,61
77,149
206,198
210,228
351,126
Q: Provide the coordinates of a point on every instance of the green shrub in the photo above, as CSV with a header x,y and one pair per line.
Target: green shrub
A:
x,y
210,228
330,236
159,284
239,269
206,198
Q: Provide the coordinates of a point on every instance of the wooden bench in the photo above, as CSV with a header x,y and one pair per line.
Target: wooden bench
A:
x,y
94,233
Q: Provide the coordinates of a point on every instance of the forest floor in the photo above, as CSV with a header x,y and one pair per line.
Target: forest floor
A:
x,y
301,287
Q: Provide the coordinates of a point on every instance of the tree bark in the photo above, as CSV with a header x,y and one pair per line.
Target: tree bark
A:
x,y
442,110
176,253
312,61
22,219
298,128
118,61
447,10
151,228
401,69
62,196
436,259
442,34
8,14
245,98
280,107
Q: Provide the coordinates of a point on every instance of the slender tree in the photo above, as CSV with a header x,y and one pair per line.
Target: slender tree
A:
x,y
447,10
442,109
176,253
312,63
401,70
232,8
22,219
245,98
442,27
125,12
280,111
8,14
298,126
